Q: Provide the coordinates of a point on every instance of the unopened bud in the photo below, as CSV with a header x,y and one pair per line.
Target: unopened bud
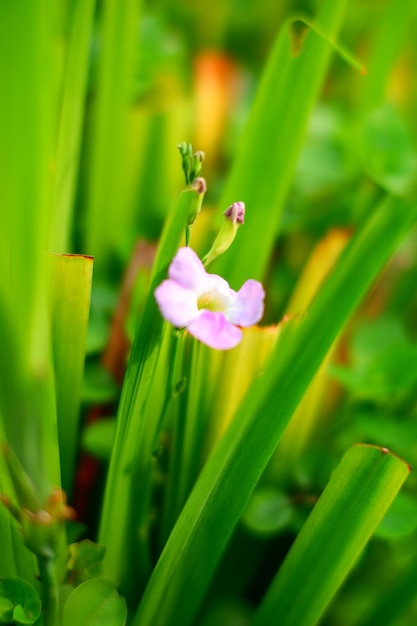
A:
x,y
196,164
191,162
199,156
236,212
198,185
234,216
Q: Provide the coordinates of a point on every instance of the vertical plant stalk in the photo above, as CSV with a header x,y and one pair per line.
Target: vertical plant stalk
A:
x,y
176,489
50,597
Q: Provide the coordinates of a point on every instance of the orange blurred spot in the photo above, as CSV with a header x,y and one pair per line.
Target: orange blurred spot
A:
x,y
216,80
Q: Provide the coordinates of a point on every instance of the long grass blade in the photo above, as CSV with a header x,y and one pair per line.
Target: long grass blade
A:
x,y
71,286
355,500
269,148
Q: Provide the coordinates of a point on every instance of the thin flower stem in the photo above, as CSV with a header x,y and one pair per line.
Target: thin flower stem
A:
x,y
144,474
193,428
175,380
178,376
50,596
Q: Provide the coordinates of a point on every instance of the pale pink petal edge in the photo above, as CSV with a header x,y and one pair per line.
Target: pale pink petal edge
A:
x,y
214,330
187,270
248,306
177,304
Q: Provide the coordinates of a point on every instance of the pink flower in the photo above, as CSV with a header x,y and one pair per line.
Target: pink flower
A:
x,y
205,304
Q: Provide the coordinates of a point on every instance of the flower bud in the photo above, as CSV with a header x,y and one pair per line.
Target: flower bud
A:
x,y
236,212
191,162
234,216
198,185
39,521
196,164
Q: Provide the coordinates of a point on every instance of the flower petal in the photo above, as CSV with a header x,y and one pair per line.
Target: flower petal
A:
x,y
177,304
217,288
248,305
213,329
188,271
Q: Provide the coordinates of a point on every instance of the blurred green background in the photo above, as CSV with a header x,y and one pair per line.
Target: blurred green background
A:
x,y
96,97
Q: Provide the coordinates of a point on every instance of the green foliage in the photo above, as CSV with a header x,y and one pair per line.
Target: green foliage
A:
x,y
213,492
85,561
353,503
98,438
19,602
387,152
268,512
95,602
71,287
221,493
273,138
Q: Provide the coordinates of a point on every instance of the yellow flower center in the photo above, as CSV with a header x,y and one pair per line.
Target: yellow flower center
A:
x,y
210,303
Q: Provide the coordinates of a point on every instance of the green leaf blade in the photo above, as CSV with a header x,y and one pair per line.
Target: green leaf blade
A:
x,y
71,278
268,152
350,508
70,124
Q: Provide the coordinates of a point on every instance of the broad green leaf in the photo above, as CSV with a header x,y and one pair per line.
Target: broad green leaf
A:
x,y
268,151
95,602
355,500
233,469
85,561
6,609
71,286
19,602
